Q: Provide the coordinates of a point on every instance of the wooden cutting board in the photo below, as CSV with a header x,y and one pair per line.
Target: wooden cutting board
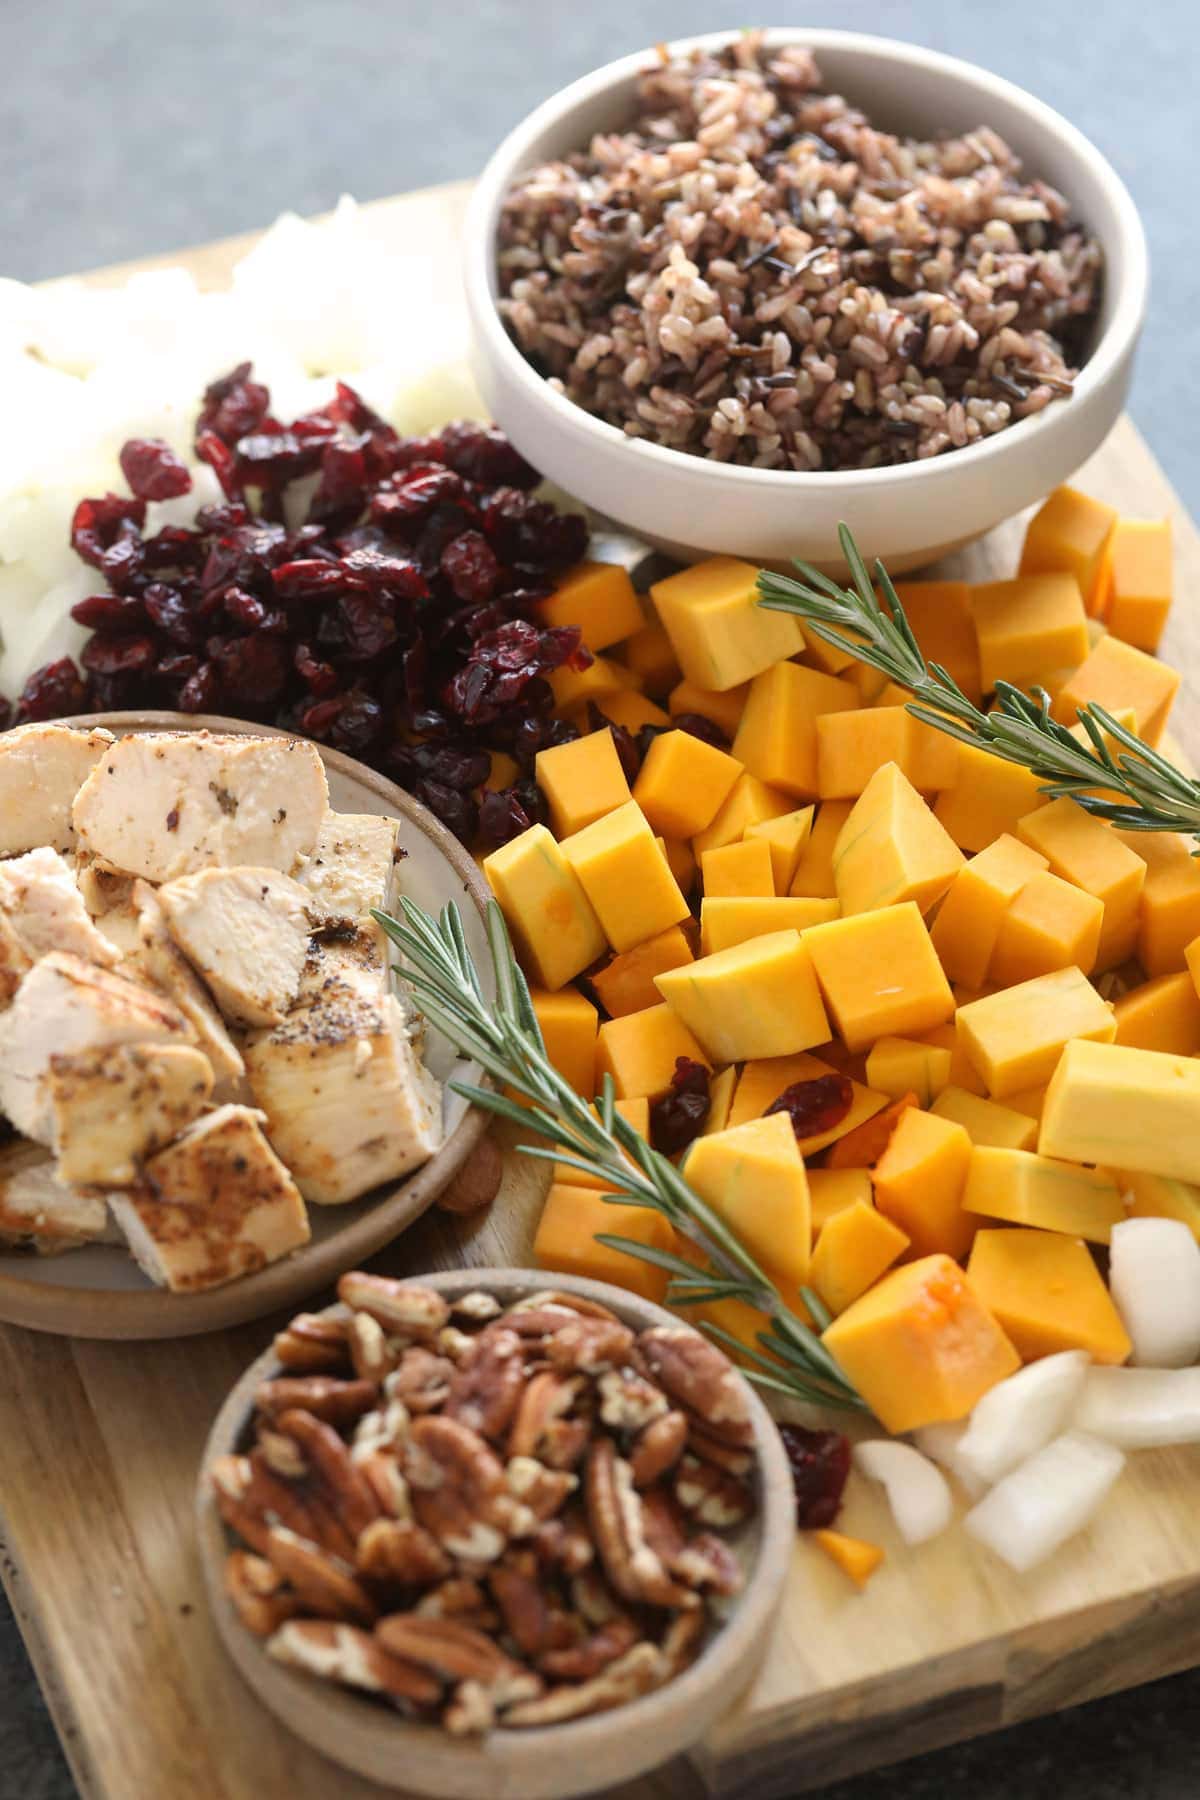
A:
x,y
101,1442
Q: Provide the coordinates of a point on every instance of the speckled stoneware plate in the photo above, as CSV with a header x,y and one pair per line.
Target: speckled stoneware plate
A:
x,y
551,1762
100,1292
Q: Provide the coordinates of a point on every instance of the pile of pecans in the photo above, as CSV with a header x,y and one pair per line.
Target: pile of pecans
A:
x,y
487,1515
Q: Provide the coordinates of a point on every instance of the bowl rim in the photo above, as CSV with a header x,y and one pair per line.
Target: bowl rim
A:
x,y
146,1313
739,1639
479,270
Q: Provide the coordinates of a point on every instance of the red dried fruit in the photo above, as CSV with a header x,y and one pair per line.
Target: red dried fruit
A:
x,y
52,692
820,1463
484,455
153,470
98,525
308,580
469,564
233,406
110,612
252,671
319,677
502,817
214,451
199,692
110,653
817,1105
701,727
679,1117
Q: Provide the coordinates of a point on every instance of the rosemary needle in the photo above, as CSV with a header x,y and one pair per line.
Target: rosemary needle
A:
x,y
1139,790
503,1036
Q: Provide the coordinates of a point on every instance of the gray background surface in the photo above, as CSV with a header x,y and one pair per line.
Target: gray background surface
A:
x,y
133,126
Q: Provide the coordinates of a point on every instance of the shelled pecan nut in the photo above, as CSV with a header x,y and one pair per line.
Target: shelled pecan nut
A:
x,y
323,1583
637,1672
401,1550
403,1308
421,1379
314,1345
259,1593
614,1510
486,1390
339,1403
355,1658
457,1485
657,1448
348,1492
710,1495
700,1379
454,1652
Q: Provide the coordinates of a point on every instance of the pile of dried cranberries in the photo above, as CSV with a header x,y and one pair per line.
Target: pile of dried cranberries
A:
x,y
388,607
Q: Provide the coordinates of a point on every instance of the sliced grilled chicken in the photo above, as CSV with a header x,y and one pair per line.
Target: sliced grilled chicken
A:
x,y
42,768
155,955
40,901
64,1006
109,899
14,961
39,1211
112,1108
161,805
245,932
348,1103
351,867
344,956
215,1204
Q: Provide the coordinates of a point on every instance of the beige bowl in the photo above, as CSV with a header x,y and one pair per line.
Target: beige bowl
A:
x,y
908,515
552,1762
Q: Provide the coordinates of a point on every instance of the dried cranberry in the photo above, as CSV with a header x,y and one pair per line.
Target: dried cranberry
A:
x,y
680,1115
153,470
53,691
173,550
110,653
110,612
233,406
318,720
349,406
171,612
214,451
701,727
319,677
483,454
199,692
396,577
341,491
368,625
820,1463
410,497
817,1105
311,579
629,752
252,671
271,460
502,817
178,665
98,525
360,723
456,810
469,564
246,610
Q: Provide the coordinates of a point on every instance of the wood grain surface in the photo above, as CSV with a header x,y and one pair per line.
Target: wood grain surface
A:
x,y
102,1442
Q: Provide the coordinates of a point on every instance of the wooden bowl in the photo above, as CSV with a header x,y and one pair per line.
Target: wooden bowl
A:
x,y
551,1762
99,1291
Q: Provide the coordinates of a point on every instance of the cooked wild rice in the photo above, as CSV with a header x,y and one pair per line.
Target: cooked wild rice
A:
x,y
753,272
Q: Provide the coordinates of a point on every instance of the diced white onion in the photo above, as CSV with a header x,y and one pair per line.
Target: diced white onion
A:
x,y
1020,1415
1141,1409
940,1444
1046,1500
918,1493
1154,1273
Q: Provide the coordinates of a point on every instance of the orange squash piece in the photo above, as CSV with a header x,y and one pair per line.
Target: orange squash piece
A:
x,y
855,1557
1047,1293
862,1147
626,984
919,1183
566,1240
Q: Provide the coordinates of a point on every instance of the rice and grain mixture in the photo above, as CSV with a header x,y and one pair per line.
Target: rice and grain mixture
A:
x,y
754,273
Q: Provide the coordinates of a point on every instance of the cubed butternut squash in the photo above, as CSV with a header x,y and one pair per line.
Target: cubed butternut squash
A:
x,y
1115,674
777,734
812,877
1159,1197
738,871
855,1248
897,1066
625,707
1034,1189
1163,1014
566,1240
574,687
892,848
635,1113
763,1082
986,1121
598,597
879,974
753,1177
683,783
625,876
833,1190
626,984
1047,1293
553,924
720,1099
1070,533
1170,911
1085,851
569,1023
940,615
650,659
758,999
1140,581
919,1183
720,634
968,921
1050,925
749,802
731,919
988,797
722,710
852,746
640,1050
1029,629
1015,1037
785,837
1108,1103
582,780
855,1557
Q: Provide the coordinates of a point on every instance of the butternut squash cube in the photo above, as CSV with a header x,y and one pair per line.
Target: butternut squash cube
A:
x,y
920,1346
720,634
1140,582
919,1183
626,984
1163,1014
856,1246
569,1023
940,615
968,921
897,1066
749,802
566,1240
637,1114
1170,909
1116,675
1029,1100
785,837
932,763
625,876
598,597
650,658
1082,849
813,876
987,799
763,1082
830,657
1050,925
855,1557
777,736
963,1072
738,871
1070,533
720,1099
892,848
582,781
640,1050
879,974
851,746
503,772
554,927
730,919
1047,1293
724,710
681,861
753,1177
575,687
1028,629
1029,1189
1015,1037
627,708
985,1121
1159,1197
1107,1103
831,1191
683,783
757,999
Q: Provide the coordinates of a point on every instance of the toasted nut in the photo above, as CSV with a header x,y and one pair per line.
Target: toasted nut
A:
x,y
664,1524
476,1306
381,1470
230,1475
458,1346
708,1562
614,1510
628,1401
710,1495
401,1550
547,1397
324,1584
352,1498
523,1601
485,1391
339,1403
258,1593
564,1442
403,1308
700,1379
552,1297
282,1455
421,1379
681,1642
710,1449
639,1670
658,1448
592,1598
541,1489
477,1182
273,1500
585,1660
564,1543
456,1653
313,1345
371,1351
589,1345
458,1485
383,1429
355,1658
462,1599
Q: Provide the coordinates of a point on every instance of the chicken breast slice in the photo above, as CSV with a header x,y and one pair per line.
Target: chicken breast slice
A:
x,y
42,768
351,867
14,961
65,1006
165,804
155,955
341,956
44,907
112,1108
348,1103
41,1212
215,1204
245,933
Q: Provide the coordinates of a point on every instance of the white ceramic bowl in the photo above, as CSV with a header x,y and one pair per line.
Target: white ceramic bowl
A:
x,y
907,515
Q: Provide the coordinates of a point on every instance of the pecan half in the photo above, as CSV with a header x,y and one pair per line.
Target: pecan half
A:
x,y
575,1303
382,1473
313,1345
639,1670
356,1659
486,1389
628,1401
614,1509
403,1308
259,1593
477,1306
401,1550
681,1642
462,1599
339,1403
710,1449
547,1397
282,1454
708,1562
385,1428
454,1652
541,1489
699,1378
658,1448
564,1543
455,1344
710,1495
351,1496
230,1481
524,1603
459,1492
589,1345
585,1660
420,1379
372,1352
324,1584
300,1508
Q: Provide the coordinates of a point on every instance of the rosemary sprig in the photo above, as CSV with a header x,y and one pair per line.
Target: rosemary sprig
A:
x,y
504,1037
1153,794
